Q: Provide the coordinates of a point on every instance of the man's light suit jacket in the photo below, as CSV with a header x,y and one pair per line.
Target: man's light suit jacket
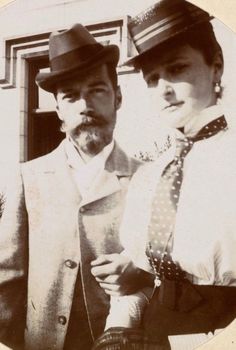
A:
x,y
48,235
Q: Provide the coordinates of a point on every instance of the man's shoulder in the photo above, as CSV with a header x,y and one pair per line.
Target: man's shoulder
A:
x,y
121,162
134,163
45,161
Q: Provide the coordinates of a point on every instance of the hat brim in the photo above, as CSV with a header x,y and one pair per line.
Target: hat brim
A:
x,y
48,81
134,61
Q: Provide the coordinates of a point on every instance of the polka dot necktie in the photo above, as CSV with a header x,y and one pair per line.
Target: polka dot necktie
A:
x,y
165,206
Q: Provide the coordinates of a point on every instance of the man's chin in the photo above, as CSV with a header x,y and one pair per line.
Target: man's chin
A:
x,y
92,147
91,144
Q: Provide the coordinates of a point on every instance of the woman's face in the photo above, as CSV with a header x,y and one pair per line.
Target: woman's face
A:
x,y
181,84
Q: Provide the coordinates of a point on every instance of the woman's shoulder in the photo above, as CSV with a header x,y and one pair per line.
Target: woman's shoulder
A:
x,y
227,140
153,169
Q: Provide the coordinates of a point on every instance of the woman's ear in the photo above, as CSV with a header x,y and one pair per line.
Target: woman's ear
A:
x,y
118,98
218,64
58,112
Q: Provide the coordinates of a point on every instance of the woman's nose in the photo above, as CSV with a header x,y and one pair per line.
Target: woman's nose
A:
x,y
165,88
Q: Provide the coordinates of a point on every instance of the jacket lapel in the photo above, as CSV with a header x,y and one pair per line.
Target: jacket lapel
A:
x,y
108,182
58,171
117,166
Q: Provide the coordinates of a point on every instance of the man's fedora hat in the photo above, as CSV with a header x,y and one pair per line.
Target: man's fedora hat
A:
x,y
161,22
74,51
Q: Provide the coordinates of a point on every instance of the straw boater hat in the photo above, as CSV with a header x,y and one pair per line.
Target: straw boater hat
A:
x,y
74,51
161,22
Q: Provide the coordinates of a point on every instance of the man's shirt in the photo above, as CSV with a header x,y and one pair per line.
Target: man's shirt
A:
x,y
85,173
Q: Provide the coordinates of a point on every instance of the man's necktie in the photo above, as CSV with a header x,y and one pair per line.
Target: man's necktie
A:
x,y
165,205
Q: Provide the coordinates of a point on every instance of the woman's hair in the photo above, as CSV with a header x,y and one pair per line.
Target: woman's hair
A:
x,y
200,37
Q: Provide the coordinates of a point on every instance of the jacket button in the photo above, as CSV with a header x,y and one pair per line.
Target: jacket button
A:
x,y
70,263
62,320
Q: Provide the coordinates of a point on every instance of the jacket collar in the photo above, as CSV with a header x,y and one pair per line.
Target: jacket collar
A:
x,y
119,163
117,166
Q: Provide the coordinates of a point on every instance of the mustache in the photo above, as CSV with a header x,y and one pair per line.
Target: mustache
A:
x,y
88,119
92,119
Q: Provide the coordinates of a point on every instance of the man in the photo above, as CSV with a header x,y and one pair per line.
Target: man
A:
x,y
65,208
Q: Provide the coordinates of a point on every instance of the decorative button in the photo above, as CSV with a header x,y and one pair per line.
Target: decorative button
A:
x,y
70,263
62,320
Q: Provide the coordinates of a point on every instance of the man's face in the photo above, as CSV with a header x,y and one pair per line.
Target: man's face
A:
x,y
87,107
181,84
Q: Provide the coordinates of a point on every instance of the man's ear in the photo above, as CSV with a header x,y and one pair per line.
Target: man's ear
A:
x,y
218,65
118,100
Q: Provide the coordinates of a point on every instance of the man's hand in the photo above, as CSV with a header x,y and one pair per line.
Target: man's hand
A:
x,y
116,274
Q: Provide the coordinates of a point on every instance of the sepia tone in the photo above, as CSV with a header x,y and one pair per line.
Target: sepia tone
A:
x,y
25,108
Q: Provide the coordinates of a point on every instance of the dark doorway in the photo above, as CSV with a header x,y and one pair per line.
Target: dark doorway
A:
x,y
43,124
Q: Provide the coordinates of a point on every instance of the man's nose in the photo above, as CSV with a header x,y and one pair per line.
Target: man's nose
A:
x,y
83,105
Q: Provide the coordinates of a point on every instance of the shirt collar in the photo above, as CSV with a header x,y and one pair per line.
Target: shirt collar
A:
x,y
198,121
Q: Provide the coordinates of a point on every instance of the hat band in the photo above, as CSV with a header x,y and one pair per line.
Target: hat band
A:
x,y
155,25
167,24
75,57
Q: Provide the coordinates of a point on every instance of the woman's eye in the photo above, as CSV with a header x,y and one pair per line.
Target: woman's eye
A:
x,y
179,68
152,81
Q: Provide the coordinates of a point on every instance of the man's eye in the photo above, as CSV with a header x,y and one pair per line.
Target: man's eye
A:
x,y
69,96
97,90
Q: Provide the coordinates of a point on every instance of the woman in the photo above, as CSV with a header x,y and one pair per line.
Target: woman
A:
x,y
179,222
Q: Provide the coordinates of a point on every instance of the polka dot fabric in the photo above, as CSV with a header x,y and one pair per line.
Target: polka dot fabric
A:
x,y
165,205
